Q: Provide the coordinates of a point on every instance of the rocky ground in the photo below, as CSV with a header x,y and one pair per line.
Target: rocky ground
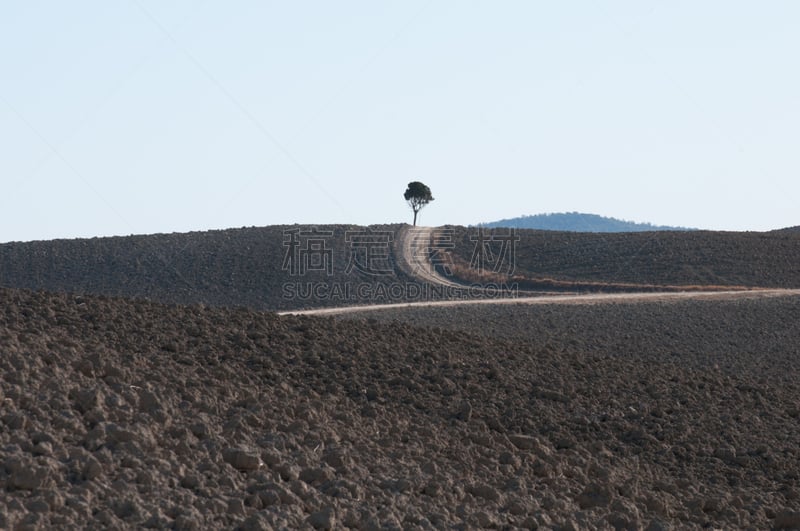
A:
x,y
127,414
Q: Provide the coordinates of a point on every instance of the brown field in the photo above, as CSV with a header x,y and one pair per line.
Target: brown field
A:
x,y
244,267
698,258
119,412
234,267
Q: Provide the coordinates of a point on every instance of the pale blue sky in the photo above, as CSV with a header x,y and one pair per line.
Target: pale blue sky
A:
x,y
137,116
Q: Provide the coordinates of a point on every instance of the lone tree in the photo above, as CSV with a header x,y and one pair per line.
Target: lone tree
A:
x,y
417,195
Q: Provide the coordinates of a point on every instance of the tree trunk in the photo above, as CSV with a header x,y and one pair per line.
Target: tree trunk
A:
x,y
415,217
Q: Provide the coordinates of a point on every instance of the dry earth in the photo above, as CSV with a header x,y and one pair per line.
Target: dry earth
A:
x,y
763,259
234,267
247,266
621,414
128,414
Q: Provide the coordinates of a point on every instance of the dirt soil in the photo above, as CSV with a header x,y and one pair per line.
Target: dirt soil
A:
x,y
701,258
248,266
234,267
128,414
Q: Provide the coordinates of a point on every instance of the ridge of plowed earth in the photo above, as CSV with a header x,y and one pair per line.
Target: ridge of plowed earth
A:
x,y
123,413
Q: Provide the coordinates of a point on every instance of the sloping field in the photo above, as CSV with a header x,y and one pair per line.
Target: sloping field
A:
x,y
120,413
742,335
301,266
277,267
697,258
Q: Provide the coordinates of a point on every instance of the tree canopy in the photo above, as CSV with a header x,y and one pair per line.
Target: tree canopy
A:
x,y
417,195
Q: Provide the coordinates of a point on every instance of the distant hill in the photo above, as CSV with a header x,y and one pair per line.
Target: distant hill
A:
x,y
578,222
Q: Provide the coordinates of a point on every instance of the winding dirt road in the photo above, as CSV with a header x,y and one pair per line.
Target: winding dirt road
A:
x,y
591,298
414,245
414,258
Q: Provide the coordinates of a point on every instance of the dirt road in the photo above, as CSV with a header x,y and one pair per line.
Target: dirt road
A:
x,y
591,298
414,244
414,256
